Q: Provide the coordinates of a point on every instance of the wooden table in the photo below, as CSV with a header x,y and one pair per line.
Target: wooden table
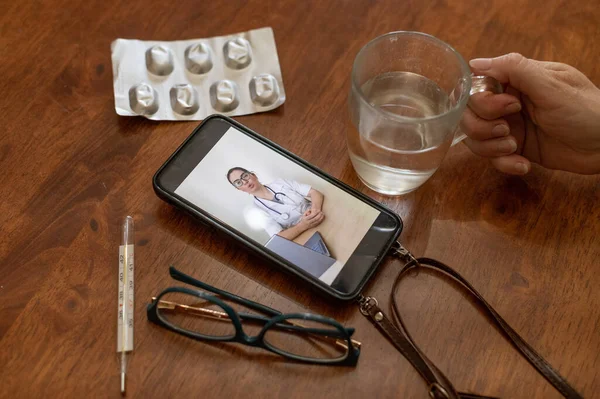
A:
x,y
72,169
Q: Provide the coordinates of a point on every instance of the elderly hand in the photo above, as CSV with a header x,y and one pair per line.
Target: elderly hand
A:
x,y
549,114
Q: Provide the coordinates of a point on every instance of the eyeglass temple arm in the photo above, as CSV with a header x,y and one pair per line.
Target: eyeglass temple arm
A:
x,y
184,278
202,311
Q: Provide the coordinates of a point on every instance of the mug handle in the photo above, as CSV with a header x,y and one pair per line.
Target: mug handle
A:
x,y
479,84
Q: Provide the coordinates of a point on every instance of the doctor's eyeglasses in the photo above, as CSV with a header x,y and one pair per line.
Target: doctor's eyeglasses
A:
x,y
202,316
240,182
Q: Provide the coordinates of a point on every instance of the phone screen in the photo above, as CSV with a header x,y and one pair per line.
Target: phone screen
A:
x,y
277,202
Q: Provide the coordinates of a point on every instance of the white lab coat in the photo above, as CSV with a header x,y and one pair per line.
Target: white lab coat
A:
x,y
292,201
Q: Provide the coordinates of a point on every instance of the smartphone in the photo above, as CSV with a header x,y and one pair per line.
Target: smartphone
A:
x,y
293,214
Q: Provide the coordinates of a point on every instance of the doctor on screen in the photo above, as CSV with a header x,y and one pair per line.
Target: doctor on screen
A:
x,y
291,207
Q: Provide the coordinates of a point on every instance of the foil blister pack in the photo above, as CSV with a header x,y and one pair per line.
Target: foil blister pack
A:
x,y
190,79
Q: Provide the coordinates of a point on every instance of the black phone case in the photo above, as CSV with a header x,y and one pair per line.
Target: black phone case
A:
x,y
206,218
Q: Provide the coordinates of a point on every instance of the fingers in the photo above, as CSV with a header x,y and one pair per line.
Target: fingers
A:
x,y
492,106
310,214
314,219
514,69
311,211
500,152
523,75
480,129
512,164
317,220
489,134
492,147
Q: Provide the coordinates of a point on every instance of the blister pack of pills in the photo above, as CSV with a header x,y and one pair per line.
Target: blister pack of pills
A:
x,y
190,79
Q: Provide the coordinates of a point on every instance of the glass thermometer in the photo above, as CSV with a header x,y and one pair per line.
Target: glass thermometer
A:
x,y
125,315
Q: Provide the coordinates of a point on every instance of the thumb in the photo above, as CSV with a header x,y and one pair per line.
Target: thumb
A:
x,y
519,72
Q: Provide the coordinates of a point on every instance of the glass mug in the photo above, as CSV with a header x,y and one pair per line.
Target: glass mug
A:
x,y
408,93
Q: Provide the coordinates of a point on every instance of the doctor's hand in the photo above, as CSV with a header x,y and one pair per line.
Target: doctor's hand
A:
x,y
312,211
549,114
312,220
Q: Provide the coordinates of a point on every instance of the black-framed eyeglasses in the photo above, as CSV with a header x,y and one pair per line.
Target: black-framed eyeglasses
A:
x,y
237,183
303,337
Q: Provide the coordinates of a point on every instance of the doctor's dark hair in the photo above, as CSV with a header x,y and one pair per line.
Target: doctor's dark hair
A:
x,y
230,171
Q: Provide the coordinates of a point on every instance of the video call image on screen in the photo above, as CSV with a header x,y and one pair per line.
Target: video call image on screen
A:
x,y
278,203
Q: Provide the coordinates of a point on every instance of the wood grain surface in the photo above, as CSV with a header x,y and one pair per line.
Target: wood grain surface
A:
x,y
72,169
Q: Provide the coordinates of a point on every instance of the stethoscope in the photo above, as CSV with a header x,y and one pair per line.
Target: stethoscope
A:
x,y
284,215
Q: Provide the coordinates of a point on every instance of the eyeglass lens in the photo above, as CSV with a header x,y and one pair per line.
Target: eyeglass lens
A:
x,y
315,340
194,314
240,182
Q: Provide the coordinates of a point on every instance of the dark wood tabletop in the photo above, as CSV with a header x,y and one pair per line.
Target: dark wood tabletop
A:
x,y
72,169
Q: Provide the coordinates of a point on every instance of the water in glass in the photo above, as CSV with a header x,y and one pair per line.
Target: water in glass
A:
x,y
396,158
